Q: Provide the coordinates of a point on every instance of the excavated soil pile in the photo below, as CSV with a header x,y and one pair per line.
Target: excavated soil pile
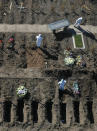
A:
x,y
35,58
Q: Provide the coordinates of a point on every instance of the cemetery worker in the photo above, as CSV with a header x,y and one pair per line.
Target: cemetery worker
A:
x,y
39,40
78,22
76,87
62,84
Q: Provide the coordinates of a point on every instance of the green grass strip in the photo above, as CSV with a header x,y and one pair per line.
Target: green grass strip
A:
x,y
78,41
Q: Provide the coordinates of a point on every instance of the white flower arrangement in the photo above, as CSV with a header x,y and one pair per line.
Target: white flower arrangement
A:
x,y
21,91
69,61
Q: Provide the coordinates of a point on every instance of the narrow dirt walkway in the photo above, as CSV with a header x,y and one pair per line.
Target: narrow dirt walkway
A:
x,y
20,73
39,28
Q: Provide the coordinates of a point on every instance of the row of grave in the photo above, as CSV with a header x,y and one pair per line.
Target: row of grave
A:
x,y
69,60
19,112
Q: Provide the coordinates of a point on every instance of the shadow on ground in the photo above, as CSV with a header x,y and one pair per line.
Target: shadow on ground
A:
x,y
87,33
64,34
49,56
61,93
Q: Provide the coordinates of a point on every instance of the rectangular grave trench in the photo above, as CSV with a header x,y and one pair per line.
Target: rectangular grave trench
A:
x,y
90,112
76,111
34,110
7,111
63,112
19,112
48,108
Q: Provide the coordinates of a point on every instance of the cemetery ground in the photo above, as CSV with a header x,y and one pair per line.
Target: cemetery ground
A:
x,y
40,69
46,108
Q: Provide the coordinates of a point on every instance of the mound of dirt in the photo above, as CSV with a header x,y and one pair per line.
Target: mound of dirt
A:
x,y
35,58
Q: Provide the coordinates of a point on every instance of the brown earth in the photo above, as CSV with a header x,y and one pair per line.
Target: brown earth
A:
x,y
43,11
35,58
45,108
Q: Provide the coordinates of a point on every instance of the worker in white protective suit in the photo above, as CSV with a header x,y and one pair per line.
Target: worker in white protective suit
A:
x,y
62,84
78,22
39,40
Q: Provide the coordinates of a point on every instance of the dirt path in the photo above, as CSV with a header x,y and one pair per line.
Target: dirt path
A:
x,y
20,73
36,28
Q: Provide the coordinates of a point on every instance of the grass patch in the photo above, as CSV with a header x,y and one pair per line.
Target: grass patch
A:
x,y
78,41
